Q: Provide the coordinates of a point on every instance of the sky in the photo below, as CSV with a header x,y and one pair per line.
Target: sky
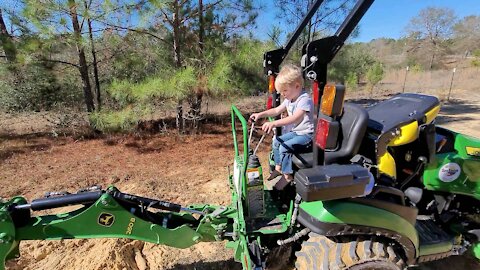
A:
x,y
385,18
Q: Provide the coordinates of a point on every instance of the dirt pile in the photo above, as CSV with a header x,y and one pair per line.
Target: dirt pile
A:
x,y
120,254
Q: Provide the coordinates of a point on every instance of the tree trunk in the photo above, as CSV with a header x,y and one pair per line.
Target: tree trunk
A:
x,y
82,61
196,108
179,118
98,97
6,41
176,35
196,104
178,60
201,27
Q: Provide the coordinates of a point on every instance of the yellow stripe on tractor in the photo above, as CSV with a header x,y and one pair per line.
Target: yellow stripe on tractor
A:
x,y
386,164
408,134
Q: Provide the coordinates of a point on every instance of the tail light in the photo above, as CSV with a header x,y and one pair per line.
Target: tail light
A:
x,y
321,135
269,102
326,133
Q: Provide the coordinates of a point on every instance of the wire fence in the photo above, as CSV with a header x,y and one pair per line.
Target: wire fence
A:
x,y
436,82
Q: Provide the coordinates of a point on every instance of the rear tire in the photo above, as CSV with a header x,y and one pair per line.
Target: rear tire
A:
x,y
323,253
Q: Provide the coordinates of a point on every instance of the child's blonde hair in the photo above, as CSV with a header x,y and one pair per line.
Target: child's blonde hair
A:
x,y
289,74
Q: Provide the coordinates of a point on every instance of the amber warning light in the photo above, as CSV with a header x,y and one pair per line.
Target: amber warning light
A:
x,y
271,84
332,100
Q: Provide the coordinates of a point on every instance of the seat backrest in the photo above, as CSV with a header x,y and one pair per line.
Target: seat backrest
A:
x,y
353,125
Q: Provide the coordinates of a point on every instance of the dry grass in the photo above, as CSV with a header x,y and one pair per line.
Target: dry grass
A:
x,y
435,82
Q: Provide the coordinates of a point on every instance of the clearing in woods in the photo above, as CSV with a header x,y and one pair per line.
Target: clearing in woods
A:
x,y
182,169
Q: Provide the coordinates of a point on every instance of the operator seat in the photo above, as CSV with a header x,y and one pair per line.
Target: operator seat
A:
x,y
353,125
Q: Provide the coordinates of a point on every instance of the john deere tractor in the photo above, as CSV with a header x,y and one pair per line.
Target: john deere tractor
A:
x,y
381,188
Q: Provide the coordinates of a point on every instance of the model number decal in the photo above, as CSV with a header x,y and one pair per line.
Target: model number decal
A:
x,y
473,151
130,226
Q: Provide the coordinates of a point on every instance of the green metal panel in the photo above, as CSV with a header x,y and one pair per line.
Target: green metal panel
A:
x,y
344,212
8,244
238,199
272,212
476,250
468,180
240,252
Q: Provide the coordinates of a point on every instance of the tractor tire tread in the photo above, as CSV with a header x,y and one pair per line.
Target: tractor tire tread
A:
x,y
323,253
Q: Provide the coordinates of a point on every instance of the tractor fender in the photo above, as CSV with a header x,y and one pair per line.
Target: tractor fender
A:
x,y
347,217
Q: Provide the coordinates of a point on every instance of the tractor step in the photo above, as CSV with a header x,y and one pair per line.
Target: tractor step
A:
x,y
429,233
435,243
265,224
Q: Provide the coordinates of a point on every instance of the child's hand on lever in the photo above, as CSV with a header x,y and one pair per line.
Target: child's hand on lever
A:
x,y
254,117
268,126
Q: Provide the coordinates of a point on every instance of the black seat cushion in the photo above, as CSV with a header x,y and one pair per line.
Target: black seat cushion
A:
x,y
353,125
303,160
399,110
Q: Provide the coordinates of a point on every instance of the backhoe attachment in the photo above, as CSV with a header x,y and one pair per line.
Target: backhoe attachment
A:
x,y
111,214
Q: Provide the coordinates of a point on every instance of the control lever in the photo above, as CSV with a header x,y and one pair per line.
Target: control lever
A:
x,y
421,165
250,138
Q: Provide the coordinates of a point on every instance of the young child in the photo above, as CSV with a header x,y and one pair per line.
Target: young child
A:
x,y
299,107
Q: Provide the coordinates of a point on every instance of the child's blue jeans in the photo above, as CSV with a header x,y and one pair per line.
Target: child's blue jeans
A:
x,y
285,145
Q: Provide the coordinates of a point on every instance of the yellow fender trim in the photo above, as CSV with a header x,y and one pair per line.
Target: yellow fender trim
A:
x,y
386,165
432,114
408,134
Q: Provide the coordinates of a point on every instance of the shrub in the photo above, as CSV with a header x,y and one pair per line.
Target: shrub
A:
x,y
351,81
118,121
375,74
35,87
167,85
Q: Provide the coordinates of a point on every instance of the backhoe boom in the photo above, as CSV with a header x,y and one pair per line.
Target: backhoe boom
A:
x,y
111,214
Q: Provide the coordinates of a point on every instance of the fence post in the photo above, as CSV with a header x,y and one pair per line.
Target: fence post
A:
x,y
405,79
451,84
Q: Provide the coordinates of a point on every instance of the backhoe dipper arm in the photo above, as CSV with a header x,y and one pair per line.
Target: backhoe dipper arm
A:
x,y
111,214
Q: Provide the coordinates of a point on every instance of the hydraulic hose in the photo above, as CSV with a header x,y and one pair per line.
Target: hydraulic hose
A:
x,y
66,200
294,238
157,204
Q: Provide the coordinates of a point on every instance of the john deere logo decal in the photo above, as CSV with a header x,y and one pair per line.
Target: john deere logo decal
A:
x,y
449,172
106,219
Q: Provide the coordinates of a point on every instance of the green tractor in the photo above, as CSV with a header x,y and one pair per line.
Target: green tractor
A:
x,y
382,188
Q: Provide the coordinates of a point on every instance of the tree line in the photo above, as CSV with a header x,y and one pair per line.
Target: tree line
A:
x,y
121,60
122,52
